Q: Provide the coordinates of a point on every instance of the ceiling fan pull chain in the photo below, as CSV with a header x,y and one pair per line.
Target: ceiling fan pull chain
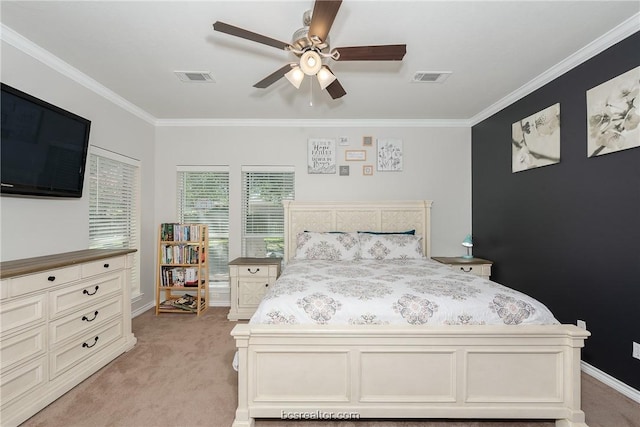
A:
x,y
310,92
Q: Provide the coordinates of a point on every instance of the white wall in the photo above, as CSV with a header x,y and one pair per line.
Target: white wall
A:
x,y
437,166
35,226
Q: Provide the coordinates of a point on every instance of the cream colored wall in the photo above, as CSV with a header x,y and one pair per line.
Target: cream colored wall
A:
x,y
36,226
437,166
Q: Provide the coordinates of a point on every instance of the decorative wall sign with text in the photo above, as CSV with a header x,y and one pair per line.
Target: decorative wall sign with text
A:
x,y
321,156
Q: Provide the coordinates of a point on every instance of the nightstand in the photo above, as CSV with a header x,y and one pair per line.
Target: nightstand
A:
x,y
477,266
250,279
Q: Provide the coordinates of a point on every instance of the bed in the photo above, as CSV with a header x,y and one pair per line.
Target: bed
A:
x,y
370,367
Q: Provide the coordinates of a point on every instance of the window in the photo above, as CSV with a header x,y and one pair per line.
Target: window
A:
x,y
263,190
114,216
203,198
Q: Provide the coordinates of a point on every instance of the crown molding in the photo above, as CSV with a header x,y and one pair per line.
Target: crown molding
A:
x,y
30,48
613,36
622,31
386,123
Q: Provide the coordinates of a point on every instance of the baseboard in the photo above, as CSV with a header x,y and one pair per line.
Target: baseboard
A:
x,y
612,382
140,310
219,304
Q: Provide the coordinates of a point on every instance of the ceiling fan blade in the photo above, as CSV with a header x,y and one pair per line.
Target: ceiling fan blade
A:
x,y
245,34
388,52
324,12
335,89
273,77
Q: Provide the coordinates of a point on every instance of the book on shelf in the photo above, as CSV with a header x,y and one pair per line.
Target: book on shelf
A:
x,y
181,254
174,232
185,302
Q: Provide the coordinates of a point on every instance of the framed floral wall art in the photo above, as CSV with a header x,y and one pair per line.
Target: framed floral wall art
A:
x,y
613,114
535,140
389,155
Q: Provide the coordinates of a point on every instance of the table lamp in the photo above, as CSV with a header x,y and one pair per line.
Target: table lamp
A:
x,y
467,243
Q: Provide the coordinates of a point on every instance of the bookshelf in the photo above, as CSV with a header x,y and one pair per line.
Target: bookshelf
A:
x,y
182,276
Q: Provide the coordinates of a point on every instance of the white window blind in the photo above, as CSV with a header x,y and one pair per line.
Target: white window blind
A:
x,y
114,199
203,198
263,190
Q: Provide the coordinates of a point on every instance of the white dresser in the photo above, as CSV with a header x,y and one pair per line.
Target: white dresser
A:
x,y
62,317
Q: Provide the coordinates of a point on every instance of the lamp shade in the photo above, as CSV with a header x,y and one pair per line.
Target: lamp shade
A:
x,y
295,76
310,62
467,243
325,77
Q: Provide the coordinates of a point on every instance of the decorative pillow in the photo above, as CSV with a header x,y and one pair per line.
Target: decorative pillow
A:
x,y
327,246
389,232
390,246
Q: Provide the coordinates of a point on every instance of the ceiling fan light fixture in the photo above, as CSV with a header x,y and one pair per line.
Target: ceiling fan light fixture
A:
x,y
295,76
325,77
310,62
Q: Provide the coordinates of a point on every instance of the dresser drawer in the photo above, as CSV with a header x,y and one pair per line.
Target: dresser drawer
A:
x,y
42,281
4,288
22,312
20,381
69,355
88,318
254,271
21,347
477,269
74,297
103,266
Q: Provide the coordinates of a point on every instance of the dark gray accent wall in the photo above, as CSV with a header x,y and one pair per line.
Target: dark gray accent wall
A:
x,y
567,234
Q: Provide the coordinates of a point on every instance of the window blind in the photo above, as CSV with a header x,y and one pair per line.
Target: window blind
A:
x,y
263,190
114,198
203,198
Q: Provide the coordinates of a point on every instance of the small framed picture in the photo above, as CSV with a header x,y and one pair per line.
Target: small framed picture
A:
x,y
344,170
367,170
367,141
355,155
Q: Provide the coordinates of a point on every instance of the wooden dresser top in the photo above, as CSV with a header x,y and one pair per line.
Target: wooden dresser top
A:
x,y
20,267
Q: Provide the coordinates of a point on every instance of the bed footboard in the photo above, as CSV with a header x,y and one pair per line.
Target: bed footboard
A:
x,y
347,372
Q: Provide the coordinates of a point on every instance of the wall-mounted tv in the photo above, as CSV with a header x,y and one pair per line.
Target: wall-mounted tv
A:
x,y
43,147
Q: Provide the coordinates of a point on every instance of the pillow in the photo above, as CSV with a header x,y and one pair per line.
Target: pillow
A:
x,y
327,246
390,246
389,232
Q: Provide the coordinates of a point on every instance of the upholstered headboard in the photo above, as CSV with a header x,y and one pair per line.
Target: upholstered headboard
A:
x,y
356,216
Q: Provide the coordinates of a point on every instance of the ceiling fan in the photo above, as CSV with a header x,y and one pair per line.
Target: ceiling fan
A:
x,y
311,44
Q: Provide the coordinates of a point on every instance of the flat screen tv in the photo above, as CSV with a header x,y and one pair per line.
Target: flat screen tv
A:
x,y
43,149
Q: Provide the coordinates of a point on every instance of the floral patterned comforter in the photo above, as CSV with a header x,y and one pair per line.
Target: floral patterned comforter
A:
x,y
413,291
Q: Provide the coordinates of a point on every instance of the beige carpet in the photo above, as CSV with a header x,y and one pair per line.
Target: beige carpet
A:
x,y
179,374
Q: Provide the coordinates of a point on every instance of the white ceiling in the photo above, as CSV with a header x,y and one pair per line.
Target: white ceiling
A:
x,y
493,48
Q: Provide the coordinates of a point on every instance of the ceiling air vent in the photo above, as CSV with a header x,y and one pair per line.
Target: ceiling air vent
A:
x,y
431,76
195,76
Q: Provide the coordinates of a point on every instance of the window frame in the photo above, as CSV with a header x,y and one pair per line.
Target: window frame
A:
x,y
135,223
245,206
215,278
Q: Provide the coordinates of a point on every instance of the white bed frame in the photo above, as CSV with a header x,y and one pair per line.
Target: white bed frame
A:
x,y
393,371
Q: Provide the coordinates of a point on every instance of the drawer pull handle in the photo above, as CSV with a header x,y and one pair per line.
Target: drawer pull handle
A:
x,y
85,345
86,292
465,270
253,272
106,265
85,318
51,278
266,285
